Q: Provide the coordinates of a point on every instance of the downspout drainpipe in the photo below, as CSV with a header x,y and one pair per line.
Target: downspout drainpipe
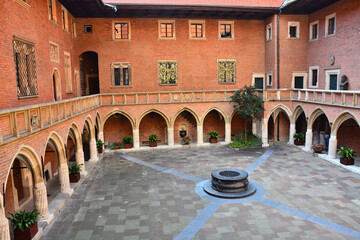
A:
x,y
278,49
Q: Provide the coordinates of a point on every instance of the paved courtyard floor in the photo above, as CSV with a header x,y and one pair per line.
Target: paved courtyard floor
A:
x,y
157,194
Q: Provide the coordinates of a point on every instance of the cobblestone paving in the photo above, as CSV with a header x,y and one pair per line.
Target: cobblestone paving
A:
x,y
125,200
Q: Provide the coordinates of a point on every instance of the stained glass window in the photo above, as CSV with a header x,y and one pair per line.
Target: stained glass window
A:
x,y
167,72
226,71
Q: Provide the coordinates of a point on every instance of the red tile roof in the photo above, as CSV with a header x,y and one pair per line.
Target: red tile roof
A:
x,y
216,3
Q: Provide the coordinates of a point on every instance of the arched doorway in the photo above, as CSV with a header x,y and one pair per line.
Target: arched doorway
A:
x,y
116,127
301,124
89,73
153,123
320,129
214,121
185,125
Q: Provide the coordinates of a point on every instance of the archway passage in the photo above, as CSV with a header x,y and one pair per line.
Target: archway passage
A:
x,y
86,141
271,127
51,171
214,121
348,135
280,127
320,129
238,125
70,148
19,187
185,125
116,127
89,73
301,124
153,123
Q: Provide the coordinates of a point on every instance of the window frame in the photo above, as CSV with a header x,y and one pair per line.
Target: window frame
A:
x,y
327,19
120,65
23,3
52,13
329,72
128,33
73,27
231,23
218,70
268,36
173,29
299,74
294,24
177,75
267,79
258,75
311,68
311,25
65,19
199,22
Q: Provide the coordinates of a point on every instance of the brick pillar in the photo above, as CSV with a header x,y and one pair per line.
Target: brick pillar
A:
x,y
4,223
79,157
170,136
332,147
264,134
93,150
308,140
292,132
41,202
136,138
200,134
227,132
64,178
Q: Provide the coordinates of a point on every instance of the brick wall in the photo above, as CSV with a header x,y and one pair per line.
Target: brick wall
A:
x,y
214,121
153,123
116,128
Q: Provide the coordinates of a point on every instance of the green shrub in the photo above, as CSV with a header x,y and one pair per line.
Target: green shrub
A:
x,y
99,143
22,219
240,142
214,134
299,137
128,140
74,168
346,152
152,138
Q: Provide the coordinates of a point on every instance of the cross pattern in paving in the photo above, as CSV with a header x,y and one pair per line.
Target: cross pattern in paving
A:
x,y
151,195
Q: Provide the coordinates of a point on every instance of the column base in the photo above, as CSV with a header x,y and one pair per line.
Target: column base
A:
x,y
265,145
94,159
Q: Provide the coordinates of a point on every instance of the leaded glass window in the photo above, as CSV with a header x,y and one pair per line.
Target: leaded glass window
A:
x,y
167,72
226,71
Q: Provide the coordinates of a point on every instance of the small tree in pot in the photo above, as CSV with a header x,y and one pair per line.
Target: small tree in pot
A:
x,y
213,136
128,141
299,139
24,224
99,145
74,172
347,155
152,140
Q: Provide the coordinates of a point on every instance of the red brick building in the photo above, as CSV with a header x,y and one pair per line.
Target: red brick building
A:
x,y
76,71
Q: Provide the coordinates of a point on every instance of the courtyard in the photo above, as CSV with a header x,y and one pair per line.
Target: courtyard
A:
x,y
157,194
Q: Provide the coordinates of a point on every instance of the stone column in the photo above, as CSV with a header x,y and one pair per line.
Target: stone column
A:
x,y
101,136
200,134
64,178
332,147
227,133
136,138
93,150
79,157
292,132
170,136
4,223
254,127
264,134
308,140
41,201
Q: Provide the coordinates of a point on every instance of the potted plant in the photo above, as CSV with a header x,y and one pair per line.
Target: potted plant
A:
x,y
74,172
347,155
213,136
128,141
152,140
185,140
24,224
299,139
318,148
99,145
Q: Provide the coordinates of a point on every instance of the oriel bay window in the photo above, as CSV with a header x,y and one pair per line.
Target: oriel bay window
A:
x,y
121,74
25,67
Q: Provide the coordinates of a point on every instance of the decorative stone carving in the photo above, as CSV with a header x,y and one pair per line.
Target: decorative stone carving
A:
x,y
54,52
226,71
40,199
167,72
344,83
332,59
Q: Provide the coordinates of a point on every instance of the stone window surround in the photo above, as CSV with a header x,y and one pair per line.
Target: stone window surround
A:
x,y
159,30
311,68
54,20
23,3
73,27
113,30
202,22
294,24
327,77
64,12
269,36
299,74
120,65
232,30
327,24
58,53
258,75
68,75
268,74
311,31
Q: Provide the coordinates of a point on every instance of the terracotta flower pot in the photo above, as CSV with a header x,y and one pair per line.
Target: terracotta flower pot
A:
x,y
347,161
153,144
27,234
298,143
128,145
318,150
74,178
213,140
100,150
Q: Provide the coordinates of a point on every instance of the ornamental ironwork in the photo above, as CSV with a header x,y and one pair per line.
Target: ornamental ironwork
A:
x,y
167,72
226,71
25,66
